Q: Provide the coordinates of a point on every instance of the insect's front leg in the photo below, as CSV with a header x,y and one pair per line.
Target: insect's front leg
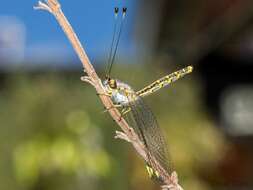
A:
x,y
104,94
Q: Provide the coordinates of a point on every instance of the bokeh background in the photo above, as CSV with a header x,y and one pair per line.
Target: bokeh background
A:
x,y
53,132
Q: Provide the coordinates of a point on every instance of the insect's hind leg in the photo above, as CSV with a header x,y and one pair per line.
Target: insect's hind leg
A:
x,y
124,111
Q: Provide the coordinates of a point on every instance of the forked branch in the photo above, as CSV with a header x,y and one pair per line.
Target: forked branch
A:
x,y
128,134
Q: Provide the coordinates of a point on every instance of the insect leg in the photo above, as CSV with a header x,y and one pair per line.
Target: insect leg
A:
x,y
111,107
125,110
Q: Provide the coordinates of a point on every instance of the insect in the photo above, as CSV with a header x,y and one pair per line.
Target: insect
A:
x,y
138,115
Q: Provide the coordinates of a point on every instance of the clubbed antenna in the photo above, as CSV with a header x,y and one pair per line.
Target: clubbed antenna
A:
x,y
124,9
116,11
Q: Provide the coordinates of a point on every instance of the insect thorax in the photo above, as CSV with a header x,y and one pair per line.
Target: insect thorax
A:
x,y
120,92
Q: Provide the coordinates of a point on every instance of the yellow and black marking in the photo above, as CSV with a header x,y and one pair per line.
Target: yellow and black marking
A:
x,y
153,174
112,83
157,85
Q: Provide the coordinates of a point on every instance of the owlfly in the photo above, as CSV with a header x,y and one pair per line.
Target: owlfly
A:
x,y
138,115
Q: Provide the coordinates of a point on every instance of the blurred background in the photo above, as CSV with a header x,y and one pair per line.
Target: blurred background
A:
x,y
53,132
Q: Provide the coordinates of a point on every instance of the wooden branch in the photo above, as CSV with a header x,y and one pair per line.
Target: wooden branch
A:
x,y
128,134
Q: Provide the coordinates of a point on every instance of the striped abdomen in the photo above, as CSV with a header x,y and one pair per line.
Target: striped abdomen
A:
x,y
157,85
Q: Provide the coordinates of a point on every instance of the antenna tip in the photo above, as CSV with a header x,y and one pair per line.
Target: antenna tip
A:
x,y
116,10
124,10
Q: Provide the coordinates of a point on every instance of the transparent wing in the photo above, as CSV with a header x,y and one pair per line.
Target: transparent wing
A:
x,y
142,120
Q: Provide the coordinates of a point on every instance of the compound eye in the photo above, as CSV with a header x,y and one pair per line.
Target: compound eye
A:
x,y
113,84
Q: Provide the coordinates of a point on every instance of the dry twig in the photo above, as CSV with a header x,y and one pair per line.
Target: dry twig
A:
x,y
128,134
